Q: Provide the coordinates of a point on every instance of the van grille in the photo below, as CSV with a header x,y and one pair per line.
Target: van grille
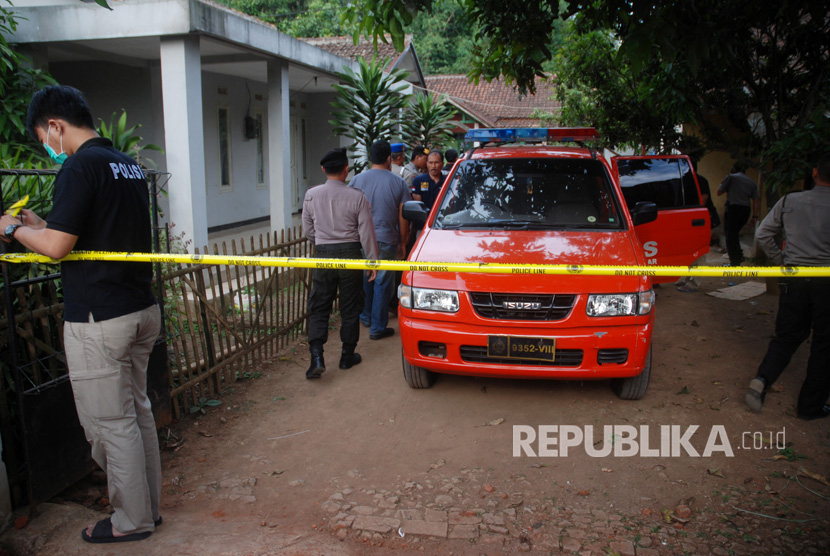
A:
x,y
543,307
562,358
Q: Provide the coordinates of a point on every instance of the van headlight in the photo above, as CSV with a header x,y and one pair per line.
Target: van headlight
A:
x,y
425,299
620,304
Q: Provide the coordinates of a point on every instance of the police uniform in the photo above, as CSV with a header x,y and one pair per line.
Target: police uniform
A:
x,y
338,221
803,303
397,169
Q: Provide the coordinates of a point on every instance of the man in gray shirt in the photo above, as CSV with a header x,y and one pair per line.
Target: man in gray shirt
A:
x,y
416,166
742,198
386,194
398,159
803,303
338,222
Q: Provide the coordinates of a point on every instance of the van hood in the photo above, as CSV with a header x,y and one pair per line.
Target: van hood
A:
x,y
522,247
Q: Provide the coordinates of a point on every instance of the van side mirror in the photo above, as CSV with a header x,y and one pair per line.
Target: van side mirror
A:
x,y
415,211
644,212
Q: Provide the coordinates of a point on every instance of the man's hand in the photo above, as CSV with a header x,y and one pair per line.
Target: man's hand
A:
x,y
371,275
32,220
6,221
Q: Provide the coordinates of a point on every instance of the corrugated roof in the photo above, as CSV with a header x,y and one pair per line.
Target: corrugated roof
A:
x,y
496,101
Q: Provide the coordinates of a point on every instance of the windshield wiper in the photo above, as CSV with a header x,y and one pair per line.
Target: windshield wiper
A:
x,y
528,225
502,223
590,226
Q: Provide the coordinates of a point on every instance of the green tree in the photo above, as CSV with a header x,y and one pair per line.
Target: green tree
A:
x,y
513,39
427,121
751,75
596,87
17,84
444,38
748,74
298,18
368,106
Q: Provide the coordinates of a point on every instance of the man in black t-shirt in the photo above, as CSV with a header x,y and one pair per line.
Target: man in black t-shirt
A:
x,y
427,186
111,316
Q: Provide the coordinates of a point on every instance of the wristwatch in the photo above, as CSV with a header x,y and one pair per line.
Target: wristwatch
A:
x,y
10,230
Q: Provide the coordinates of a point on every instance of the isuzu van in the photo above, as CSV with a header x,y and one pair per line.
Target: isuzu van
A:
x,y
535,204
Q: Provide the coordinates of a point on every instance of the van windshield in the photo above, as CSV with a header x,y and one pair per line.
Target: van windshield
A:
x,y
530,193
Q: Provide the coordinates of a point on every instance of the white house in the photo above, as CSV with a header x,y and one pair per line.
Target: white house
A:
x,y
200,78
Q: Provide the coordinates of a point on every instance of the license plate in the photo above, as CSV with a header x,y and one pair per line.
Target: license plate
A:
x,y
517,347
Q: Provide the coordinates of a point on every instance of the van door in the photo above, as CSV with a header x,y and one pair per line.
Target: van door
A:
x,y
681,233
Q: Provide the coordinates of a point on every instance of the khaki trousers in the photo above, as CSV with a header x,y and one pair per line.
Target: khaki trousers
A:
x,y
108,370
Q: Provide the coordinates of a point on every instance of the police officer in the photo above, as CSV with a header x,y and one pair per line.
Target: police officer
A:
x,y
398,159
417,165
111,319
742,199
338,221
803,303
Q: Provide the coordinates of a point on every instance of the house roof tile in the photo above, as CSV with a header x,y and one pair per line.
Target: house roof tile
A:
x,y
498,103
346,48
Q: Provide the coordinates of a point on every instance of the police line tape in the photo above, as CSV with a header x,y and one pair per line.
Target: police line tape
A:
x,y
487,268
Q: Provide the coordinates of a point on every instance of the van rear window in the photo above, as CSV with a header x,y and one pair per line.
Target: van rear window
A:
x,y
669,182
529,193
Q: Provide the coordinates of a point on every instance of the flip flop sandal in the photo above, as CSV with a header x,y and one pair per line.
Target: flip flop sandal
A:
x,y
102,533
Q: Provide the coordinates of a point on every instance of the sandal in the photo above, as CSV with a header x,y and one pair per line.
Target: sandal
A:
x,y
102,533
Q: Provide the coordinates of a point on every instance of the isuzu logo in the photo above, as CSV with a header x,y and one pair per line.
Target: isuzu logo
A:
x,y
532,306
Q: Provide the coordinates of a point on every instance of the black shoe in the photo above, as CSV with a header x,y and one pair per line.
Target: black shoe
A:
x,y
348,360
755,394
317,367
381,335
823,412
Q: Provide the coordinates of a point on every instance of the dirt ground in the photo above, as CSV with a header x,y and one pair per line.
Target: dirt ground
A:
x,y
358,463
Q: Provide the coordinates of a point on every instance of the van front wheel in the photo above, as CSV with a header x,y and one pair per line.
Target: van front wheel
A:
x,y
633,387
416,377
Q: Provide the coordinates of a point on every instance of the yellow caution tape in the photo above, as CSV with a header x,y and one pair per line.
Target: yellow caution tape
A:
x,y
486,268
15,208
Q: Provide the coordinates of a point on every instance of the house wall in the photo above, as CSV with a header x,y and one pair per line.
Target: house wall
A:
x,y
111,87
318,113
244,201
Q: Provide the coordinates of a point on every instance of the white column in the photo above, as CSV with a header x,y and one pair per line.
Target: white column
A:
x,y
181,85
279,144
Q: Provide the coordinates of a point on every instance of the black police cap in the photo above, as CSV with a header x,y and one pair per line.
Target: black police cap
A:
x,y
335,157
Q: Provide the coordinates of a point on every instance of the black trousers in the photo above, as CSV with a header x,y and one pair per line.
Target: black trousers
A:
x,y
326,282
804,303
735,217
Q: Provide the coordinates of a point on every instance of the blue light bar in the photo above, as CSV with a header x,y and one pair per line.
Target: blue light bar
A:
x,y
531,134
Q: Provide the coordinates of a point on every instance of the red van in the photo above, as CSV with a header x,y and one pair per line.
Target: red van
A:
x,y
532,204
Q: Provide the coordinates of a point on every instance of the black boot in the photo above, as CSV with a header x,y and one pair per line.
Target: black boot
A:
x,y
318,364
348,358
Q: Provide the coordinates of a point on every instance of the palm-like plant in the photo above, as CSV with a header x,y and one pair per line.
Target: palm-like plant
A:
x,y
427,121
367,107
124,139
